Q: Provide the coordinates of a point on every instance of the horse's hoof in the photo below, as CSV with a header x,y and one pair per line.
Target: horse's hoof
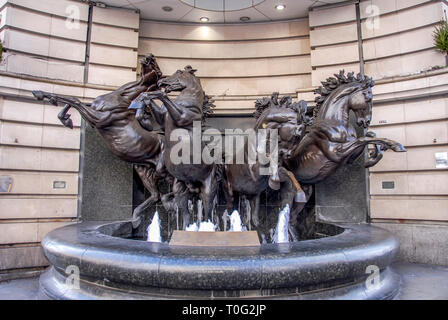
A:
x,y
68,123
136,222
255,223
300,197
274,185
398,148
38,94
370,164
137,104
53,101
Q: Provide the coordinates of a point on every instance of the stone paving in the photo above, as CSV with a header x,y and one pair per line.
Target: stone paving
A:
x,y
418,282
422,281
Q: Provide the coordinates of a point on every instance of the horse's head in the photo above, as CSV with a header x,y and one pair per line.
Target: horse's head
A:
x,y
360,102
180,80
123,96
345,93
150,68
288,117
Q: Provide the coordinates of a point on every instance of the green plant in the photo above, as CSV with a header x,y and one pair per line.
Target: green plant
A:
x,y
441,36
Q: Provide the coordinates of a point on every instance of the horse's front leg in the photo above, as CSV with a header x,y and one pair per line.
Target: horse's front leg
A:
x,y
385,144
149,179
229,195
291,189
157,112
209,189
181,197
255,208
293,195
182,116
351,150
375,155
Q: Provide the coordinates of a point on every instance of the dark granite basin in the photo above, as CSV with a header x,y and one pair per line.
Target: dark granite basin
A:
x,y
114,267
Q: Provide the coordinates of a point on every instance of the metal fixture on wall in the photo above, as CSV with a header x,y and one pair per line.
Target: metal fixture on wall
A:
x,y
88,39
359,33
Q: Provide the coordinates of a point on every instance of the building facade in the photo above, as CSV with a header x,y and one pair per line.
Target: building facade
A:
x,y
70,48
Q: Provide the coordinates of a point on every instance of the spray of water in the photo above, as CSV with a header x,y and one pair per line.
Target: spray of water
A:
x,y
192,227
154,229
207,226
281,231
235,222
203,226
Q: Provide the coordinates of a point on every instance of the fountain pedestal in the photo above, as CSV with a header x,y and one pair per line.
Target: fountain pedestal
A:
x,y
111,266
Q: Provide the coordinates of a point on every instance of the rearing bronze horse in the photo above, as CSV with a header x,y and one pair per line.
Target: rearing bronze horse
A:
x,y
332,140
181,114
289,120
121,127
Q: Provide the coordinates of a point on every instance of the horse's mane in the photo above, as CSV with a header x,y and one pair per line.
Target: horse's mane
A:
x,y
261,105
332,83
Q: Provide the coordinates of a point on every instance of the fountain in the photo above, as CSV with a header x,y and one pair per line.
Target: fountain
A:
x,y
235,222
207,226
307,257
281,230
154,229
192,227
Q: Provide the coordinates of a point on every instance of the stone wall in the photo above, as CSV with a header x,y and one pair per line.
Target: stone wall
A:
x,y
39,158
236,63
38,41
333,41
408,193
113,46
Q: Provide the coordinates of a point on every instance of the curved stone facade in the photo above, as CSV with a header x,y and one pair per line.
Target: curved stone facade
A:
x,y
239,63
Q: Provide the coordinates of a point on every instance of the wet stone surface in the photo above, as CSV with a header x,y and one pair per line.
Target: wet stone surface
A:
x,y
273,269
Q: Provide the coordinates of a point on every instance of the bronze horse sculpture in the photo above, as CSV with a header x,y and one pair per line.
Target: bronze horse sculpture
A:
x,y
332,140
180,114
289,120
122,129
309,150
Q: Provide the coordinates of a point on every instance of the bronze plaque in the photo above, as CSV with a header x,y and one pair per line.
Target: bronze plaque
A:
x,y
214,239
